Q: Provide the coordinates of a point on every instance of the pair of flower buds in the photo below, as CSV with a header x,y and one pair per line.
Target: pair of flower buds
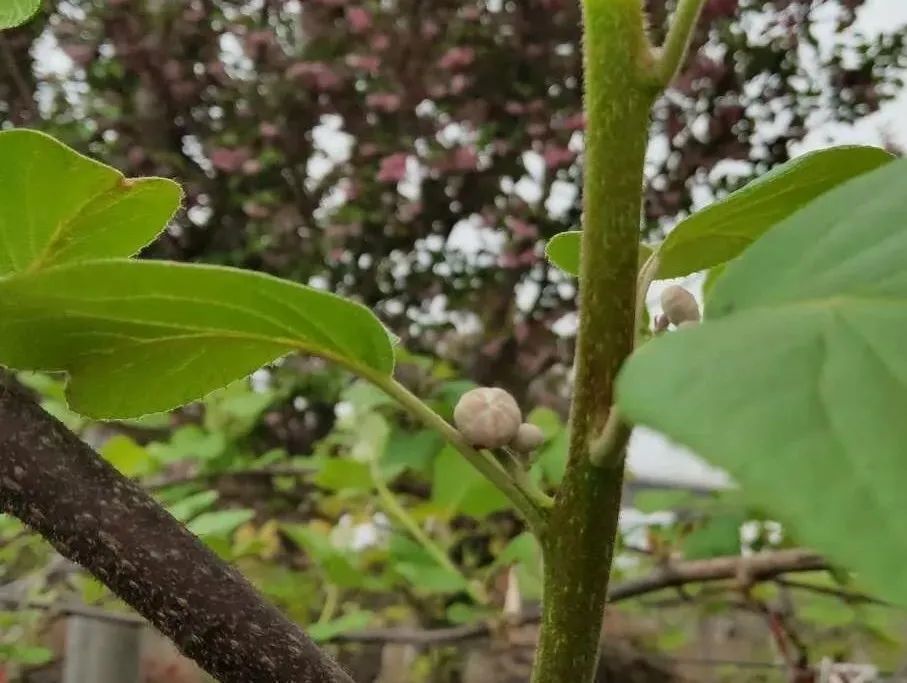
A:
x,y
490,418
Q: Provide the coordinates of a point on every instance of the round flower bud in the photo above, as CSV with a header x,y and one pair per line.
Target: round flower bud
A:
x,y
488,417
679,305
528,438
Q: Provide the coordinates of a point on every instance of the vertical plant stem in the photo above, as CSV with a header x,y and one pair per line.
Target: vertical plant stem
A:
x,y
619,92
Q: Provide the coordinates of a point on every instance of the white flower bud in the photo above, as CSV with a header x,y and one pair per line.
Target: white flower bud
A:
x,y
528,438
679,305
488,417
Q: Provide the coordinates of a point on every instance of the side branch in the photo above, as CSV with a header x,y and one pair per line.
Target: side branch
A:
x,y
767,566
678,39
96,517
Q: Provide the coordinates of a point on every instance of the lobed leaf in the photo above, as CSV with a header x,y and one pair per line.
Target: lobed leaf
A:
x,y
797,381
144,336
722,230
57,206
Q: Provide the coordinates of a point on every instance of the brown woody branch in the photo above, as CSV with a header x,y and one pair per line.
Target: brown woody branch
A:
x,y
96,517
761,567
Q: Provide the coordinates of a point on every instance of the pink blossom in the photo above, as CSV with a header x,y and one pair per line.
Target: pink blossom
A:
x,y
251,166
317,75
380,42
370,63
359,19
575,121
464,159
255,210
260,39
457,58
393,168
229,160
556,156
268,130
521,228
387,102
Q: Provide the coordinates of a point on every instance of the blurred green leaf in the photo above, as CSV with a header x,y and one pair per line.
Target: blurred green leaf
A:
x,y
523,553
119,327
189,443
219,522
343,474
551,461
461,613
660,500
193,505
338,566
29,655
57,206
722,230
365,397
352,621
806,413
372,432
421,570
458,488
127,456
415,450
715,537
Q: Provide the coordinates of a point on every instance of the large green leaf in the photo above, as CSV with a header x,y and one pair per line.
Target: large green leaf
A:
x,y
722,230
57,206
15,12
144,336
797,381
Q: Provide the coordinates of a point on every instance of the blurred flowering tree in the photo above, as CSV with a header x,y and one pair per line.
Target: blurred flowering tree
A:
x,y
416,154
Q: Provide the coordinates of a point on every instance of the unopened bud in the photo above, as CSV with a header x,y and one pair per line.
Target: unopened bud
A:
x,y
679,305
488,417
528,438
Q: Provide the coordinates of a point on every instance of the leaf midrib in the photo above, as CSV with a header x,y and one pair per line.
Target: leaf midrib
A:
x,y
204,333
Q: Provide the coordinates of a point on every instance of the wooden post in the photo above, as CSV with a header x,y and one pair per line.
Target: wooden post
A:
x,y
101,651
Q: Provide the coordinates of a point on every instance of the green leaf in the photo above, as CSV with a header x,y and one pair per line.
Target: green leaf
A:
x,y
189,442
145,336
353,621
341,474
458,488
193,504
126,455
722,230
717,536
219,522
413,450
29,655
57,206
564,248
419,568
797,381
15,12
337,565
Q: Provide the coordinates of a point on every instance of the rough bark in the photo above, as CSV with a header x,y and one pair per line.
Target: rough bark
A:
x,y
96,517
